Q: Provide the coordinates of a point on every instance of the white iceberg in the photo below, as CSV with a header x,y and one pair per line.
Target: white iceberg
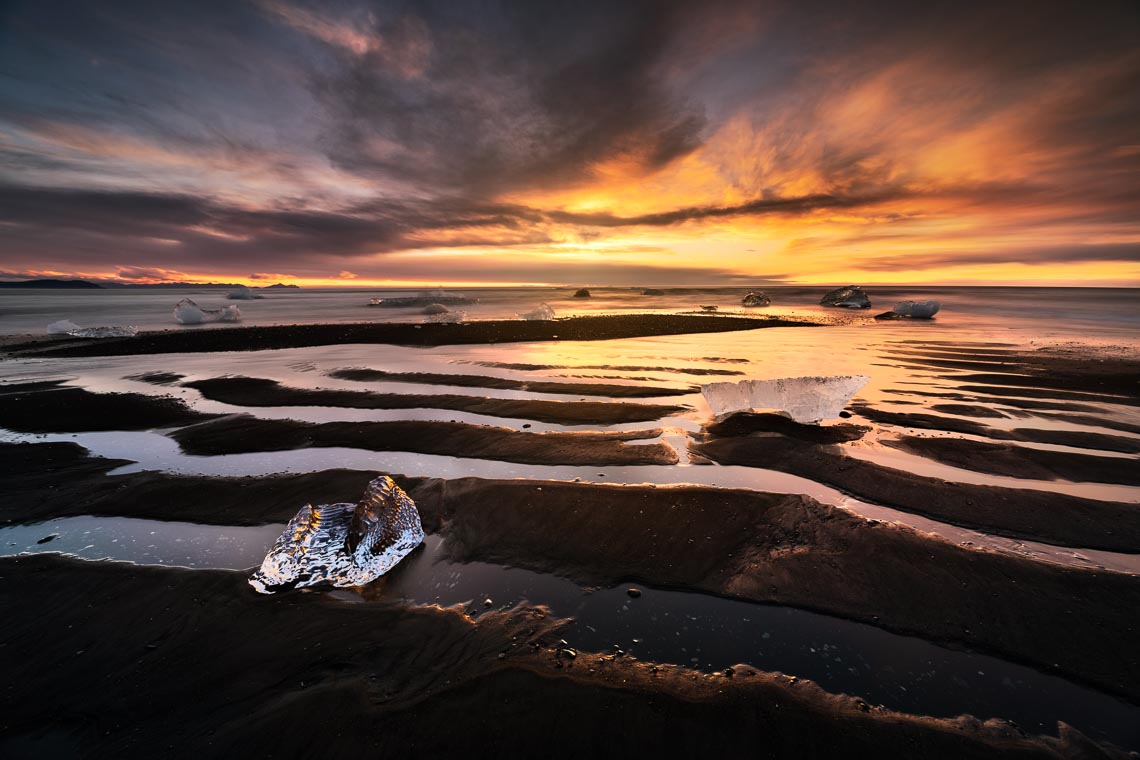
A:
x,y
804,399
186,312
69,328
343,544
542,313
242,293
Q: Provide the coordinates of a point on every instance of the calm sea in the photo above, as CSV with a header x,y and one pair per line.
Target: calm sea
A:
x,y
1107,314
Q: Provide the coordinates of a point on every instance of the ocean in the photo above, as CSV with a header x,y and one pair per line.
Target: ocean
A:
x,y
1101,314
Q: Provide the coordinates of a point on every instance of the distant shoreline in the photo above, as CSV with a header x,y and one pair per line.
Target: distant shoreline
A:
x,y
191,340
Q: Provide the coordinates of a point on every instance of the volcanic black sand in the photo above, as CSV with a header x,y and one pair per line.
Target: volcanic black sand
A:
x,y
254,392
195,340
47,407
243,433
505,383
205,668
112,660
1022,513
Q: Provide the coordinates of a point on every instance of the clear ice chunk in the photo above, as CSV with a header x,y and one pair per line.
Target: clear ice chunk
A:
x,y
542,313
447,317
186,312
804,399
242,293
917,309
343,544
67,327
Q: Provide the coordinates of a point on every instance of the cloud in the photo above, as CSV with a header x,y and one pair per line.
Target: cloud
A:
x,y
271,276
149,274
347,275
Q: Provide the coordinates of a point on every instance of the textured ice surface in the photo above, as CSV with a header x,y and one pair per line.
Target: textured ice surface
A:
x,y
804,399
542,313
242,293
917,309
448,317
67,327
343,544
849,297
756,298
186,312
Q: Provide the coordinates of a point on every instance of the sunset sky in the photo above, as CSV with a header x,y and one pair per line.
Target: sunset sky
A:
x,y
617,143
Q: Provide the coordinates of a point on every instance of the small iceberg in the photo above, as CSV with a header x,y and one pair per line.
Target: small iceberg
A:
x,y
425,298
582,293
186,312
709,308
242,293
436,308
69,328
447,318
542,313
850,297
343,544
804,399
912,309
756,298
653,292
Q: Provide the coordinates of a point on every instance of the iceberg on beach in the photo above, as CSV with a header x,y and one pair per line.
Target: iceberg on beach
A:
x,y
343,544
447,317
849,297
242,293
917,309
755,298
804,399
542,313
186,312
69,328
436,308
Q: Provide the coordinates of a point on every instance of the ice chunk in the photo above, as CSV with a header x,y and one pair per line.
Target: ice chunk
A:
x,y
186,312
425,298
242,293
849,297
447,318
804,399
67,327
343,544
756,298
436,308
542,313
917,309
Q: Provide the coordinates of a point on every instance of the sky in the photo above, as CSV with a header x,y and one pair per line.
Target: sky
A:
x,y
352,142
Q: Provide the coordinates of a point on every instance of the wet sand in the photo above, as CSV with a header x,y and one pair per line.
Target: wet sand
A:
x,y
762,547
1021,513
189,340
243,433
255,392
484,381
312,673
223,671
47,407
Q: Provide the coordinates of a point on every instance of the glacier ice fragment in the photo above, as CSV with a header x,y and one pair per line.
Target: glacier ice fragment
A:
x,y
343,544
186,312
756,298
849,297
67,327
242,293
917,309
541,313
804,399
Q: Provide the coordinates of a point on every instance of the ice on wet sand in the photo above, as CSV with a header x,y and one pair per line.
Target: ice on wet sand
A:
x,y
343,544
804,399
69,328
542,313
186,312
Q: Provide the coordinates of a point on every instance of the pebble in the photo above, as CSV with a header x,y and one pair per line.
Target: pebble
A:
x,y
634,592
